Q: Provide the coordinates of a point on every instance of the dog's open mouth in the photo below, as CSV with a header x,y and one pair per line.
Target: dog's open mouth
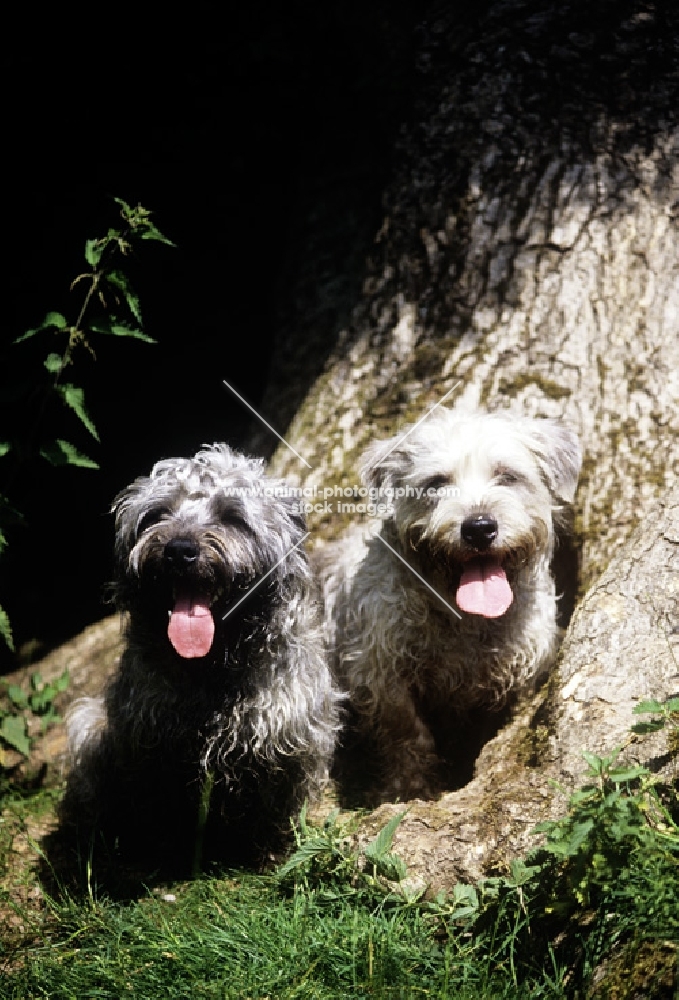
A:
x,y
191,628
484,588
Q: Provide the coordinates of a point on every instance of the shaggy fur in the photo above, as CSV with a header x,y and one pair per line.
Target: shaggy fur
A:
x,y
257,710
414,669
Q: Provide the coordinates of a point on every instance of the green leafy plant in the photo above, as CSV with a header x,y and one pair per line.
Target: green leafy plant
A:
x,y
606,819
379,856
38,701
328,863
109,288
111,307
665,716
606,877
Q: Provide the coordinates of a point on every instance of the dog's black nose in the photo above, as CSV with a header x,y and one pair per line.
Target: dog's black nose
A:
x,y
181,552
480,532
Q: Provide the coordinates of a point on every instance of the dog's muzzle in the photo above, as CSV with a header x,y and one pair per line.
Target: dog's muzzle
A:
x,y
484,589
191,628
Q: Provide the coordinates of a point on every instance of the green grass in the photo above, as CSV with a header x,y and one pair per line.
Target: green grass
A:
x,y
328,925
591,915
247,938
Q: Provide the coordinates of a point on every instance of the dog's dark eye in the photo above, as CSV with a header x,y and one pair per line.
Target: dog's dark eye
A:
x,y
506,477
230,516
150,518
435,483
229,512
230,519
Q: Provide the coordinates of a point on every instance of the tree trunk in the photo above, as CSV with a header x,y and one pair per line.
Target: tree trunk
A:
x,y
529,250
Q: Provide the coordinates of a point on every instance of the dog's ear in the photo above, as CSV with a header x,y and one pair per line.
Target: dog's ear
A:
x,y
135,508
125,526
384,463
296,514
558,452
123,509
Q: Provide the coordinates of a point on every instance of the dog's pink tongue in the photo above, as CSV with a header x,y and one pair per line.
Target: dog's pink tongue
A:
x,y
484,589
191,628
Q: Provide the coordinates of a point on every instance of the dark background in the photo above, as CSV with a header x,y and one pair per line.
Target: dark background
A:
x,y
235,125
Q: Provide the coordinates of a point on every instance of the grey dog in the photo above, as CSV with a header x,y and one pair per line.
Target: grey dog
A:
x,y
450,606
223,692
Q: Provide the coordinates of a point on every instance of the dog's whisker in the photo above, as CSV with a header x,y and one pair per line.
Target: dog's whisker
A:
x,y
266,575
419,577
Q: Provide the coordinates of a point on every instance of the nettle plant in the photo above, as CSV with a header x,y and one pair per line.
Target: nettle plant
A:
x,y
37,704
110,307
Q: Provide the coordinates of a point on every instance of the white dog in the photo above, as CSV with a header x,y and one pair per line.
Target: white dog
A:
x,y
451,606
